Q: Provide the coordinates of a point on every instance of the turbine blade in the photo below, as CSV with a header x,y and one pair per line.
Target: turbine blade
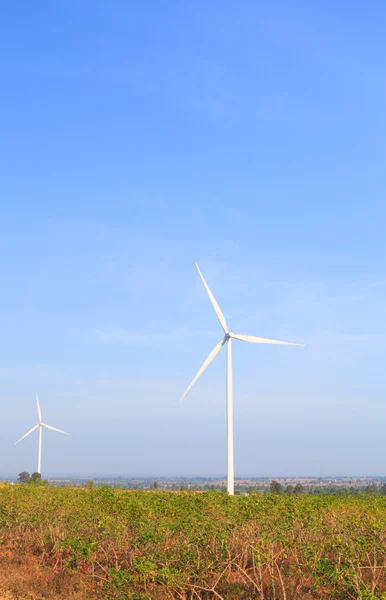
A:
x,y
216,307
206,363
259,340
39,411
28,432
55,429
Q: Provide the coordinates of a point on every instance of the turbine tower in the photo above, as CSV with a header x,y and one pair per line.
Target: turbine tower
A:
x,y
40,425
227,339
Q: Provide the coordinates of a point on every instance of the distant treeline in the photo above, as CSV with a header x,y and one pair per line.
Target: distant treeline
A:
x,y
274,487
322,490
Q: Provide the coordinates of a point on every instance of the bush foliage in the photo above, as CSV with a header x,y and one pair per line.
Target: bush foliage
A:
x,y
107,543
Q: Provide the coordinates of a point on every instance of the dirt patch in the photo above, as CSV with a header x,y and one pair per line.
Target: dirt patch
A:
x,y
26,579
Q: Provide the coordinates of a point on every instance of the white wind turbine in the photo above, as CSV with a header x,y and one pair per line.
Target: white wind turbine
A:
x,y
227,339
40,425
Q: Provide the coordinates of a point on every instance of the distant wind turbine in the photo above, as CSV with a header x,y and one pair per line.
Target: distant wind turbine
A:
x,y
40,425
227,339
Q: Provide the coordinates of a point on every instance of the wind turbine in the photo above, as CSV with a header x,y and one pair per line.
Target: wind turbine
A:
x,y
40,425
227,339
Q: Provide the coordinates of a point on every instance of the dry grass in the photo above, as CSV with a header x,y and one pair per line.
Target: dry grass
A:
x,y
24,577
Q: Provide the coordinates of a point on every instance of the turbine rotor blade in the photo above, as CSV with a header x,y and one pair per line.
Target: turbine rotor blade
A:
x,y
216,307
259,340
39,411
28,432
55,429
206,363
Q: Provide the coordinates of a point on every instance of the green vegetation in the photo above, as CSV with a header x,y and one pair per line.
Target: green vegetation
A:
x,y
35,478
105,543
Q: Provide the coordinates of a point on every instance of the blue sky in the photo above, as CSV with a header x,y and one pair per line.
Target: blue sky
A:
x,y
139,137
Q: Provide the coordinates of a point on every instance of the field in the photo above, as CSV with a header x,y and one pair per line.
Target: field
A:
x,y
66,543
